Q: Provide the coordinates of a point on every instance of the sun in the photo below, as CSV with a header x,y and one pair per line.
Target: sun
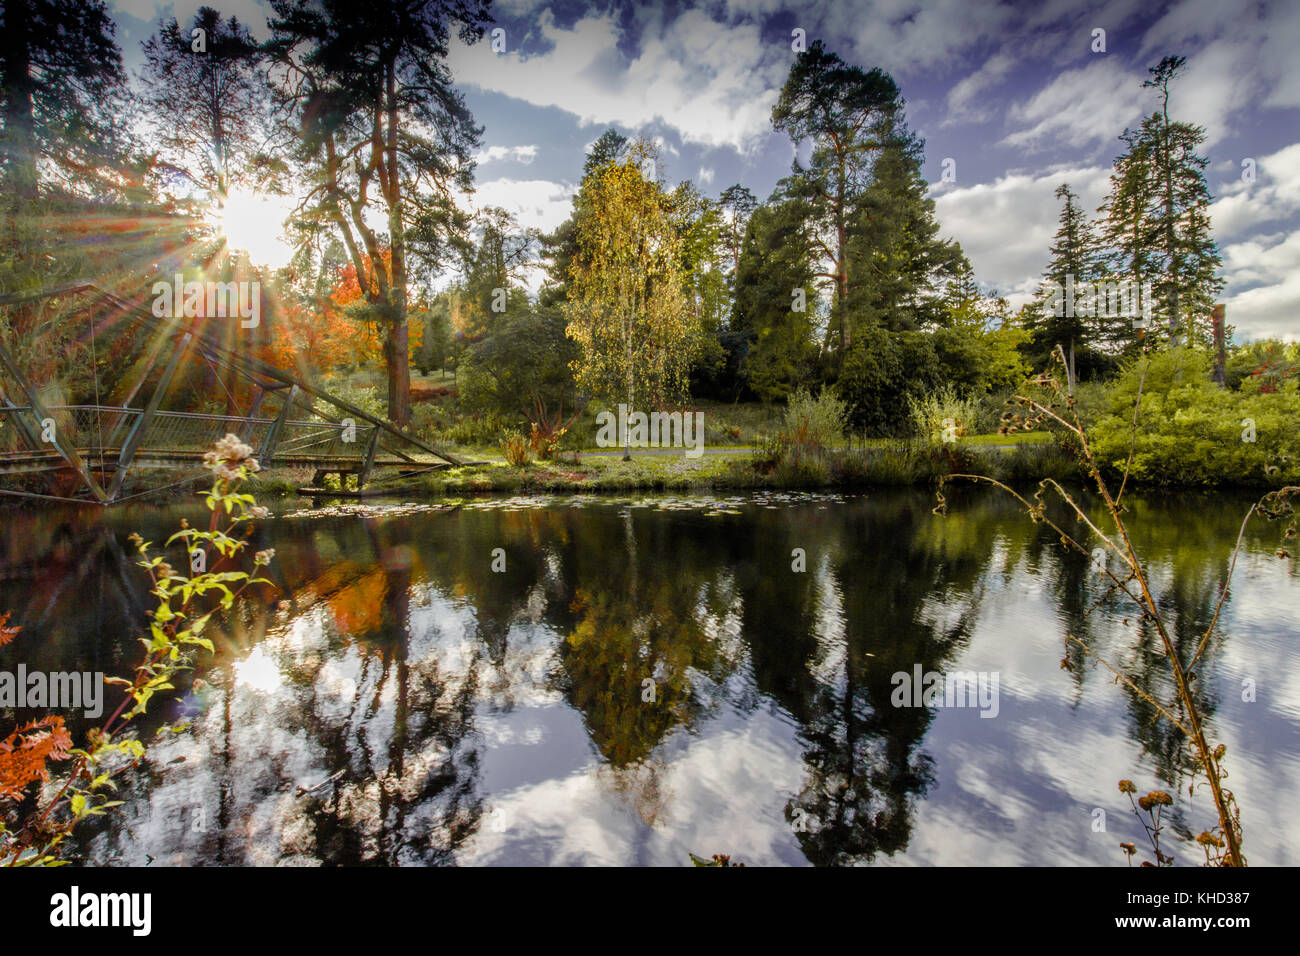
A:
x,y
253,223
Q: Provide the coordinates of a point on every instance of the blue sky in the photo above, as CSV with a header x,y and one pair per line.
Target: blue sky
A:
x,y
1013,93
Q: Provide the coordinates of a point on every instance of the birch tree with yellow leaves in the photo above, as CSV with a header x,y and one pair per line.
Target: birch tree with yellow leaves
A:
x,y
627,309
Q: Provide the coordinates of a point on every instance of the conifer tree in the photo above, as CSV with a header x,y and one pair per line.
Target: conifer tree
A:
x,y
838,109
1076,261
381,133
776,300
899,263
1157,221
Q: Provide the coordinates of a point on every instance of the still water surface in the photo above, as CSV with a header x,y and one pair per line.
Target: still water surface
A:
x,y
468,716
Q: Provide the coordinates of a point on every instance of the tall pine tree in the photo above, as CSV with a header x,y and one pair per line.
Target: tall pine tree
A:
x,y
1076,259
898,260
838,109
775,318
383,135
1157,220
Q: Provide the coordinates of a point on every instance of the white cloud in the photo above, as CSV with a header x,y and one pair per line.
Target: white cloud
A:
x,y
963,98
1262,259
706,175
1241,57
713,83
1242,207
666,147
919,34
1005,227
520,154
1080,107
1272,307
536,203
1263,270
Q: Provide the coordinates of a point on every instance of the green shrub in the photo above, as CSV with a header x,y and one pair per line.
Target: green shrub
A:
x,y
894,463
988,411
365,397
1036,462
478,430
881,371
1092,399
803,469
518,450
739,423
1191,432
814,423
942,415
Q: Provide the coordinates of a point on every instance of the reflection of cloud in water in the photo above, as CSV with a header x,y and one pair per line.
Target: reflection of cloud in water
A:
x,y
258,672
725,788
450,692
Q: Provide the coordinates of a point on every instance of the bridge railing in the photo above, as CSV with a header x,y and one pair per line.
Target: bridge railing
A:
x,y
103,429
87,427
193,431
325,439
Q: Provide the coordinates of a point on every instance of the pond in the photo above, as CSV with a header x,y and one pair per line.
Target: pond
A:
x,y
578,681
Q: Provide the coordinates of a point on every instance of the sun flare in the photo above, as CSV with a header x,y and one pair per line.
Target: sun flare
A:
x,y
253,223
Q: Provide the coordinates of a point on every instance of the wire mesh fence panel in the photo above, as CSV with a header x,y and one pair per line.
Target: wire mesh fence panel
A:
x,y
93,428
12,437
189,431
324,440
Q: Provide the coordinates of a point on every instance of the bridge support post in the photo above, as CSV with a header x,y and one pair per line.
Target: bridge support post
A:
x,y
273,436
247,428
136,435
364,475
61,445
20,423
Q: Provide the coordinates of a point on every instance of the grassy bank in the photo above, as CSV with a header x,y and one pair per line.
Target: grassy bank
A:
x,y
886,464
896,463
882,463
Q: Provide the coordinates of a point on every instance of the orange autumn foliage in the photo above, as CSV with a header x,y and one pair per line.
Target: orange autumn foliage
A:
x,y
358,609
318,336
7,633
348,290
353,594
319,339
25,753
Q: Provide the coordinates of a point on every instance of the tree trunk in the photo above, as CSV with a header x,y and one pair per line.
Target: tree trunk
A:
x,y
1171,245
842,286
399,374
399,365
19,145
631,392
19,122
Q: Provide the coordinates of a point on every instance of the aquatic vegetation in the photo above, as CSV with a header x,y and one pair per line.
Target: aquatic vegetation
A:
x,y
36,825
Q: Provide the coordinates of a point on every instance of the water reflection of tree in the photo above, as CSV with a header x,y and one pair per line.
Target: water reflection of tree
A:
x,y
409,788
863,754
65,579
1172,540
401,738
635,600
627,597
1187,606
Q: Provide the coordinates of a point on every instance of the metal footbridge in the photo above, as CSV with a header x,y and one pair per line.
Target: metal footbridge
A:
x,y
289,422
